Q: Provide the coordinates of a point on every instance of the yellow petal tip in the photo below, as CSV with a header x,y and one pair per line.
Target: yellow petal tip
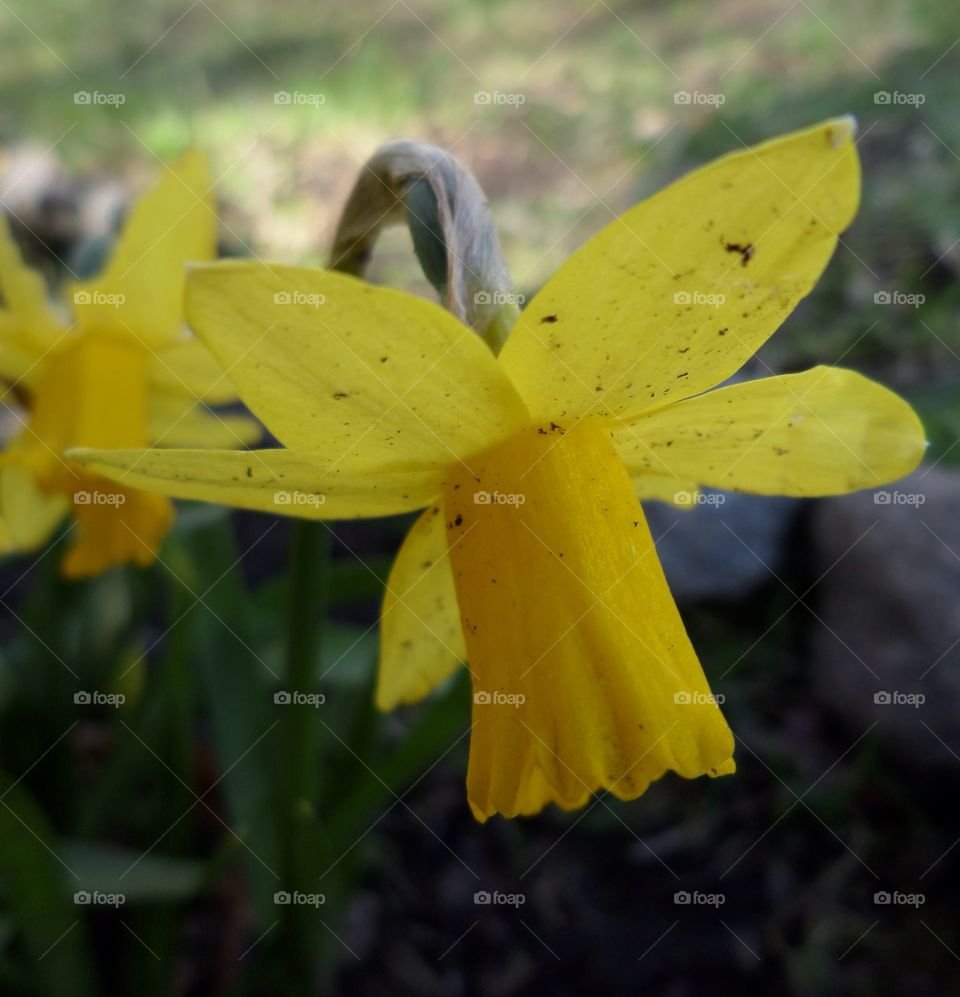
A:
x,y
725,768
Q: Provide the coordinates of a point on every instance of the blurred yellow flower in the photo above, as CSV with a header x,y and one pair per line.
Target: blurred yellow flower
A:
x,y
532,560
123,373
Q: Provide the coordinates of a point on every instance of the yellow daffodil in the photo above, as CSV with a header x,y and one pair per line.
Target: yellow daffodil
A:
x,y
532,560
123,373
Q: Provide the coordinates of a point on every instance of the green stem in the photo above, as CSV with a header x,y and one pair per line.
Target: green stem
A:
x,y
307,608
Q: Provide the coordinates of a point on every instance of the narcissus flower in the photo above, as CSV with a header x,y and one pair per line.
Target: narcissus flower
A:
x,y
532,560
123,373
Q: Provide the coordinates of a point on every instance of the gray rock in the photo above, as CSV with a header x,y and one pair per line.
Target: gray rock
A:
x,y
887,651
51,211
38,197
724,547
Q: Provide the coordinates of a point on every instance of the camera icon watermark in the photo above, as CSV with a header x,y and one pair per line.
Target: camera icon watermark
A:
x,y
515,499
897,97
296,698
499,97
894,898
497,698
487,898
498,298
296,97
916,499
689,499
694,697
694,898
294,898
884,697
899,298
699,298
299,298
299,498
98,298
97,98
696,97
85,698
99,498
97,898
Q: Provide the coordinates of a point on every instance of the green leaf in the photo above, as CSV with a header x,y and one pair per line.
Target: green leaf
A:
x,y
38,885
238,692
139,877
438,724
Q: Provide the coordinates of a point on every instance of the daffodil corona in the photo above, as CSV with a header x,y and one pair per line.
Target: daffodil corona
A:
x,y
532,561
123,373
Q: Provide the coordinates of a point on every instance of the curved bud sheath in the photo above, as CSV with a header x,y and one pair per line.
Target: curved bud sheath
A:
x,y
451,225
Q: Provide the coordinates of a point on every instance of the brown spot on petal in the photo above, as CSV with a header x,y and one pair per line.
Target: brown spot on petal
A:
x,y
744,249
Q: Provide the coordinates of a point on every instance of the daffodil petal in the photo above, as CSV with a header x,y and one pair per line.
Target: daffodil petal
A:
x,y
140,292
30,514
7,545
676,294
283,482
19,365
826,431
190,369
383,376
28,325
583,675
421,638
677,491
176,422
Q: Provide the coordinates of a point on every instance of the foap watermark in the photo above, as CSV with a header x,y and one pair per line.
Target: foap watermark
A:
x,y
84,698
294,898
699,498
486,898
695,697
694,898
299,298
498,298
499,97
99,498
98,298
697,97
496,698
297,698
886,697
699,298
297,97
299,498
899,298
499,498
899,498
97,898
894,898
898,97
98,98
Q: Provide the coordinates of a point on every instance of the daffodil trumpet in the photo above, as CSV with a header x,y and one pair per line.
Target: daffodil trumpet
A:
x,y
532,561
